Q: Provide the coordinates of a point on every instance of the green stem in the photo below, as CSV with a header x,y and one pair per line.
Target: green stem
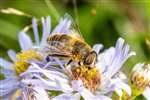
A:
x,y
135,91
52,9
147,3
76,12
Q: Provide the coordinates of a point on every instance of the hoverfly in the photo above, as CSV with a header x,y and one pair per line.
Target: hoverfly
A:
x,y
67,42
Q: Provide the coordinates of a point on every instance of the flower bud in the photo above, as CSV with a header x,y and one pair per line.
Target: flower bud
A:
x,y
140,76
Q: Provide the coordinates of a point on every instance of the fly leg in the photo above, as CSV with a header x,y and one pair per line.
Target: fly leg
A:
x,y
69,62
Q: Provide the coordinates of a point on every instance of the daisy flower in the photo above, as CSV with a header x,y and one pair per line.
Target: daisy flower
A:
x,y
64,79
12,85
84,81
140,79
35,75
104,77
110,63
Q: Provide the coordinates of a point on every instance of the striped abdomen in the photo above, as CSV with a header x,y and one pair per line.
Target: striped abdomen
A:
x,y
70,44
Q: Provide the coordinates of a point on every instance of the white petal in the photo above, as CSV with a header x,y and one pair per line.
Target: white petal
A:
x,y
122,53
7,97
119,92
48,24
119,85
146,93
34,68
8,73
125,87
61,65
120,75
66,96
25,41
119,56
77,85
77,96
65,87
40,94
63,26
40,82
6,64
46,29
97,48
35,30
119,44
105,60
12,55
87,95
55,80
101,97
7,86
138,67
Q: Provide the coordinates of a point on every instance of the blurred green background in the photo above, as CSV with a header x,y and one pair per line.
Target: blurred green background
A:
x,y
100,21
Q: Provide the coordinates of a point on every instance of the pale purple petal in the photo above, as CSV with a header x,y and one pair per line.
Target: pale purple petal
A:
x,y
119,85
46,29
48,25
117,58
138,67
146,93
87,95
63,26
61,65
55,80
122,53
77,85
25,41
48,73
65,87
121,76
119,92
97,48
101,97
8,85
106,87
8,73
41,82
12,55
125,87
66,96
6,64
35,30
105,60
40,93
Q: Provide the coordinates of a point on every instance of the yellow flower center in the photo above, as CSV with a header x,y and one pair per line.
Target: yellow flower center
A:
x,y
89,76
139,80
21,64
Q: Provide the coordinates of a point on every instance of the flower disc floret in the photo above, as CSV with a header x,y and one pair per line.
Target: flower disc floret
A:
x,y
21,64
90,77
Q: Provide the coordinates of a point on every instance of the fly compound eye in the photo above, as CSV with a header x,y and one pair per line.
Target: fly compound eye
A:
x,y
90,58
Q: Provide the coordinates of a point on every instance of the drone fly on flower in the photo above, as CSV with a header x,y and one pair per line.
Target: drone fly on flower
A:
x,y
66,41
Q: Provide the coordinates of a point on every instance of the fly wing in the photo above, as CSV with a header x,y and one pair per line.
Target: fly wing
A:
x,y
56,52
69,27
55,48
